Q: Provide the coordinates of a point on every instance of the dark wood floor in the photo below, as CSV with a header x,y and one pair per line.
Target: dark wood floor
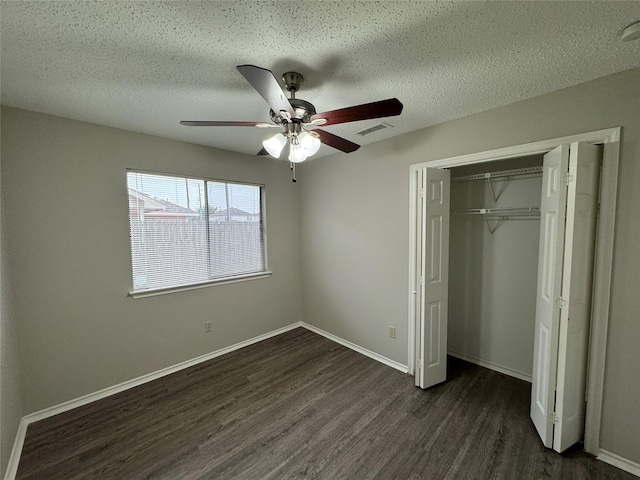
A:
x,y
301,406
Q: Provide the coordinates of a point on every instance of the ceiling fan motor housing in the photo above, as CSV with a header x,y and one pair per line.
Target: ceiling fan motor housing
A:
x,y
304,111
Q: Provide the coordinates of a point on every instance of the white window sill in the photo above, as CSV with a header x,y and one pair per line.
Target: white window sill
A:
x,y
152,292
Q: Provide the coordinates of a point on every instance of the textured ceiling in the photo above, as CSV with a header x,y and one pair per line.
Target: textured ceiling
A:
x,y
143,66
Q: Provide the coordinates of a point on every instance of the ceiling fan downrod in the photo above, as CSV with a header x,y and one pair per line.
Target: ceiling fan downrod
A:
x,y
292,80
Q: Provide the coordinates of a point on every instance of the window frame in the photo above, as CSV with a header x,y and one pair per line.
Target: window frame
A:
x,y
152,292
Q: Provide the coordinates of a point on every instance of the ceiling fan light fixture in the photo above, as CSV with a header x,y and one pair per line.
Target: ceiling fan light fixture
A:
x,y
275,144
297,153
310,143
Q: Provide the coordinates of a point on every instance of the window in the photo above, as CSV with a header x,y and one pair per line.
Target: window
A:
x,y
193,232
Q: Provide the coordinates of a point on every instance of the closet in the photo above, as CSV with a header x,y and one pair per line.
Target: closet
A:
x,y
493,263
503,256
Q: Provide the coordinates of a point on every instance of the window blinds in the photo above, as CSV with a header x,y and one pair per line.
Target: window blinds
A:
x,y
186,231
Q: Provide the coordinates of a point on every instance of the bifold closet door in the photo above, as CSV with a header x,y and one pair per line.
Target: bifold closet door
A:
x,y
577,286
433,276
567,231
551,247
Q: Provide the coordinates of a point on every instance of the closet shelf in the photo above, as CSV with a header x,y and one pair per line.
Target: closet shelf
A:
x,y
499,215
503,173
507,174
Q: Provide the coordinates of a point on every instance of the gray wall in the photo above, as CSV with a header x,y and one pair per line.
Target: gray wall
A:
x,y
68,232
10,379
493,276
355,227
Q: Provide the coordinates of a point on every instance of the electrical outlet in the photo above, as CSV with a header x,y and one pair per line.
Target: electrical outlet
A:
x,y
207,327
392,332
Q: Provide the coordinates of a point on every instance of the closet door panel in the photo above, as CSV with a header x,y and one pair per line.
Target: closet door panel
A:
x,y
434,277
552,232
577,281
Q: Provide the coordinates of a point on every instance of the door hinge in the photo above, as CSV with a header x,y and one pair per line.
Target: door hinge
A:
x,y
423,192
418,364
554,418
421,280
560,302
567,178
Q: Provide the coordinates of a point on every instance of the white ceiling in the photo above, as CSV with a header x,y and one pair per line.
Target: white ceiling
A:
x,y
143,66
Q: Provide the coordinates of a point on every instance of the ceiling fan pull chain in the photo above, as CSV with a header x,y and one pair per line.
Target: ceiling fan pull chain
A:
x,y
293,171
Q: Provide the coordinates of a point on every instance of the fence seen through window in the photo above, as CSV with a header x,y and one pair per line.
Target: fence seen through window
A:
x,y
188,231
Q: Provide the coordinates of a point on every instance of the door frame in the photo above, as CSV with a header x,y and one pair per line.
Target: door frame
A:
x,y
610,139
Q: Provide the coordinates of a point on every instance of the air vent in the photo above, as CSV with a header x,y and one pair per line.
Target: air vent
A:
x,y
374,129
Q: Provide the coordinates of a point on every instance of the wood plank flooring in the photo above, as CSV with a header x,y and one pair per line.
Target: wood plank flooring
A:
x,y
299,406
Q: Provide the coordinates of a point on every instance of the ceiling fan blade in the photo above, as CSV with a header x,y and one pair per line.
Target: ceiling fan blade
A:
x,y
337,142
263,151
267,86
383,108
207,123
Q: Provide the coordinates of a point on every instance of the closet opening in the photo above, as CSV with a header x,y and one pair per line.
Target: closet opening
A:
x,y
499,236
493,263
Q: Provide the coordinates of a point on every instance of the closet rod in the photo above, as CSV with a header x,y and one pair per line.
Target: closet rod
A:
x,y
507,211
502,173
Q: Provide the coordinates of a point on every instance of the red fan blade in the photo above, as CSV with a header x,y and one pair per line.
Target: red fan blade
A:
x,y
367,111
336,142
207,123
267,86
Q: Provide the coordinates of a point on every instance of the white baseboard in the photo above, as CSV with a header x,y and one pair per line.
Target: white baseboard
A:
x,y
491,366
106,392
357,348
16,451
620,462
14,459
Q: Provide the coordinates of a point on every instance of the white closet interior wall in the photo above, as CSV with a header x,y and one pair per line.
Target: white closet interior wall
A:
x,y
492,276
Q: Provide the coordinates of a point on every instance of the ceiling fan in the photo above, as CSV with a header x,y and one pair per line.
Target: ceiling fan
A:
x,y
298,118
